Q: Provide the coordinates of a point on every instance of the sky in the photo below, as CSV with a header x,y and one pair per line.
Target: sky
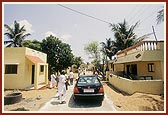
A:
x,y
44,19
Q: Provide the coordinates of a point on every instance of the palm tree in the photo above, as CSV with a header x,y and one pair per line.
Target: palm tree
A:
x,y
160,16
124,35
108,48
15,35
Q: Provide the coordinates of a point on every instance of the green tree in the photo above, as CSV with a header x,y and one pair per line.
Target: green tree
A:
x,y
66,56
36,45
59,55
78,61
93,50
124,35
108,48
15,35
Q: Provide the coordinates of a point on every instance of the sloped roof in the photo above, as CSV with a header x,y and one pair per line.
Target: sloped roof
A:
x,y
34,59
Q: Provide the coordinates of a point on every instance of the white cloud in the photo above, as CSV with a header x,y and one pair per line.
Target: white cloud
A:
x,y
47,34
26,25
75,25
66,37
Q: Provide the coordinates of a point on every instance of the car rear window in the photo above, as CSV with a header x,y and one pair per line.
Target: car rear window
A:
x,y
91,80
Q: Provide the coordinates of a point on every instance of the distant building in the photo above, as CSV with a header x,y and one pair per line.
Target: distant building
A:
x,y
24,68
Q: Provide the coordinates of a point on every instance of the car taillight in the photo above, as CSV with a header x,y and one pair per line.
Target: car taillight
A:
x,y
101,90
76,89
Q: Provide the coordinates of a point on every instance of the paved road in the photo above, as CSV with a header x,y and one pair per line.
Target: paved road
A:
x,y
71,106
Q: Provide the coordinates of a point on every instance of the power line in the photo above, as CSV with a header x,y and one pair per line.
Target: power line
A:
x,y
145,18
139,14
84,14
132,13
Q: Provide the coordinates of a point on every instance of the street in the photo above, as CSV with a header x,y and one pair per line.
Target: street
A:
x,y
79,106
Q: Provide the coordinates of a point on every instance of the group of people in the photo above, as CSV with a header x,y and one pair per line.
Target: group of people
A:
x,y
62,84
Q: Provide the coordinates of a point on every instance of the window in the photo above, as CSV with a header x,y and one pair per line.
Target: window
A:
x,y
151,67
11,69
41,68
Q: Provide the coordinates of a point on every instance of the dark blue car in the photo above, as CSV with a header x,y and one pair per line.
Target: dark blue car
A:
x,y
88,87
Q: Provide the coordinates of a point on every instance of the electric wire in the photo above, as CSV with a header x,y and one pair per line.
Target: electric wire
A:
x,y
84,14
137,17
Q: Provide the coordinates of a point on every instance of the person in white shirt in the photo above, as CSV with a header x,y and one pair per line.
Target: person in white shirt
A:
x,y
71,75
53,81
67,81
62,88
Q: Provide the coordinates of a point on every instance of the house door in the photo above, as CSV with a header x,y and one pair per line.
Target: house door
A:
x,y
128,69
33,69
134,69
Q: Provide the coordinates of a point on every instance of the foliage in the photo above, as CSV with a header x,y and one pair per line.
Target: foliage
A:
x,y
124,35
160,16
59,55
108,48
66,56
36,45
15,35
78,61
93,50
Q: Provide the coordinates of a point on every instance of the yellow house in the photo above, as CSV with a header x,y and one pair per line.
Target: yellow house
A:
x,y
141,67
24,68
142,60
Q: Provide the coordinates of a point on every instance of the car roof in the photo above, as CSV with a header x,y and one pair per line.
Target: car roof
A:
x,y
88,76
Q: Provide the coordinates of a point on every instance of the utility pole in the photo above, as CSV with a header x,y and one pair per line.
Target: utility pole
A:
x,y
154,33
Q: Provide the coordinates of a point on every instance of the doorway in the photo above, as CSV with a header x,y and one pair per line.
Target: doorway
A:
x,y
134,69
33,70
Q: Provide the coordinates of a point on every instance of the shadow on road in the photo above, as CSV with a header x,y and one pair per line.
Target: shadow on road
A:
x,y
83,103
55,101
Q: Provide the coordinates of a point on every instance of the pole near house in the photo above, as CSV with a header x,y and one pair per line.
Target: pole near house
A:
x,y
154,33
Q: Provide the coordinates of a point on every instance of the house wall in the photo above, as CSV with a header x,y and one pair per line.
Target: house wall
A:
x,y
28,72
150,54
142,86
39,54
23,78
41,76
15,55
118,68
142,69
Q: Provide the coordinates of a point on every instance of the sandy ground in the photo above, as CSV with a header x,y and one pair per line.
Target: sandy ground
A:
x,y
32,100
135,102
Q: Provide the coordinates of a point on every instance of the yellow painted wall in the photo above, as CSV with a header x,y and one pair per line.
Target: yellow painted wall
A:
x,y
23,78
13,55
132,86
142,68
118,67
156,57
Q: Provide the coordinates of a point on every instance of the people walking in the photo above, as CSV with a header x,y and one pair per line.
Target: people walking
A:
x,y
53,81
67,81
71,77
62,88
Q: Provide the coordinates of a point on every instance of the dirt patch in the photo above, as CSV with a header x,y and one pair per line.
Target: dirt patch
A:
x,y
135,102
32,100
